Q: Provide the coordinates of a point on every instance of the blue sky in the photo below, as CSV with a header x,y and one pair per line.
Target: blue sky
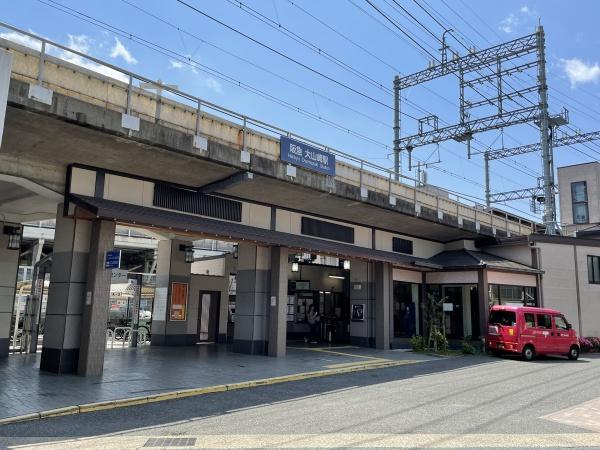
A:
x,y
368,50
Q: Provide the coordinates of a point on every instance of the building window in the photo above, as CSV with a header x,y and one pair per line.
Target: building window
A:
x,y
594,269
500,294
400,245
579,200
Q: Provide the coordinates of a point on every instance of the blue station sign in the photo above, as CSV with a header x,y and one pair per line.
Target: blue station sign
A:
x,y
113,259
307,156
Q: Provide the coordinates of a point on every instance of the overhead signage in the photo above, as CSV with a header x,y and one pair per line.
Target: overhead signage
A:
x,y
113,259
307,156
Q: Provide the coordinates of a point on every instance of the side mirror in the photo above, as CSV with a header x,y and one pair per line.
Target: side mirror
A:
x,y
569,326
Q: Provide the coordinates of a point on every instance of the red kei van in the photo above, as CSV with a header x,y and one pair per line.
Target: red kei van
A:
x,y
530,332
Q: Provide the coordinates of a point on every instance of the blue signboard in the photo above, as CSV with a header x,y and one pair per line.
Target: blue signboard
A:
x,y
307,156
113,259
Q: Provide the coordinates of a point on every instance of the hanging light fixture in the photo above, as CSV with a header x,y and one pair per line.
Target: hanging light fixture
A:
x,y
346,264
14,237
295,266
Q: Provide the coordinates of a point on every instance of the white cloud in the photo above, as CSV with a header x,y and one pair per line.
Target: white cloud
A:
x,y
22,39
213,84
79,42
175,64
509,23
578,71
119,50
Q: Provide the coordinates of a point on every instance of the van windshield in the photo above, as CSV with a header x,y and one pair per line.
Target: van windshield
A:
x,y
506,318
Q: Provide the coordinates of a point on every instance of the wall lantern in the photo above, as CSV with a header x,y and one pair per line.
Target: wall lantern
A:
x,y
295,266
14,237
346,264
188,253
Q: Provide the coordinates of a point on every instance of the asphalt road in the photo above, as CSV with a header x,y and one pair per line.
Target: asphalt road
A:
x,y
457,402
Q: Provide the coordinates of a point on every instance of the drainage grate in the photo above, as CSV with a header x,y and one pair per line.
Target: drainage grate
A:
x,y
170,442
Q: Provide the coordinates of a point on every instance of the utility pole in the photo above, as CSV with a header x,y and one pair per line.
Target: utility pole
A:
x,y
545,137
486,162
397,167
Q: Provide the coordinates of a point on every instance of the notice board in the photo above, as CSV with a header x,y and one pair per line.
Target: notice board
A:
x,y
179,295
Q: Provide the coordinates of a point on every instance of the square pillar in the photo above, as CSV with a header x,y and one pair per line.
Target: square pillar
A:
x,y
383,293
278,301
484,301
362,332
172,268
9,265
66,294
97,298
253,290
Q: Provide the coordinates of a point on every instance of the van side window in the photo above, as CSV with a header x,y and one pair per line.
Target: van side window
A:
x,y
544,321
529,320
560,322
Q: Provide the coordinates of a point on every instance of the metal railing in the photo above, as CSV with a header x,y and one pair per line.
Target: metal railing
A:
x,y
260,127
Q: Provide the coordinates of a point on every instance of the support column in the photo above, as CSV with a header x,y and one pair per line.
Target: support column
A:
x,y
484,303
362,332
383,293
278,301
172,268
97,298
253,290
9,265
66,294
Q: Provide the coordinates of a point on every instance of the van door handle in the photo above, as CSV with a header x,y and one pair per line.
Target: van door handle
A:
x,y
552,334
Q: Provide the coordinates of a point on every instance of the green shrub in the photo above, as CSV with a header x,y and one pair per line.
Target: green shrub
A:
x,y
417,343
468,348
441,341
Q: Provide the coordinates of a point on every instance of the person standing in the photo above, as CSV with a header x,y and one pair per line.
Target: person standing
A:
x,y
312,318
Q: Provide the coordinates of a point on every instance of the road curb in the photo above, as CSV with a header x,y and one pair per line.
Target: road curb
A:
x,y
171,395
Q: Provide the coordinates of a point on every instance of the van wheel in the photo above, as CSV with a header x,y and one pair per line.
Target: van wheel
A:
x,y
528,353
574,353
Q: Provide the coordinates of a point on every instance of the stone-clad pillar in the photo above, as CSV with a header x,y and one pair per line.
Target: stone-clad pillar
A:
x,y
278,301
253,291
484,302
171,268
95,309
383,279
362,332
66,294
9,264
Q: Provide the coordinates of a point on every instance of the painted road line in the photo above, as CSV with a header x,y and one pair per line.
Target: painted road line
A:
x,y
585,415
171,395
326,350
337,440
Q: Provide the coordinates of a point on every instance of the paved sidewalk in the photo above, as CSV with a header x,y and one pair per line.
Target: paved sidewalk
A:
x,y
128,373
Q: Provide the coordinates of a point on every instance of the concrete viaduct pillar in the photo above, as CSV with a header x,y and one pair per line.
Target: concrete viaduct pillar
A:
x,y
78,296
9,264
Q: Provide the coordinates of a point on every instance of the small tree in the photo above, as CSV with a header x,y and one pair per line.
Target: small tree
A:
x,y
434,321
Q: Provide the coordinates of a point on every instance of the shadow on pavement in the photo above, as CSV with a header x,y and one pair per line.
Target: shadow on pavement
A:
x,y
195,408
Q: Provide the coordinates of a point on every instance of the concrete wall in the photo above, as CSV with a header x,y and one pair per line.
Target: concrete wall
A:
x,y
590,173
9,264
517,253
558,280
453,277
200,283
421,247
517,279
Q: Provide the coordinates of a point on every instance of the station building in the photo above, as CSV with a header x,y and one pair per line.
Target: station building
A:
x,y
292,226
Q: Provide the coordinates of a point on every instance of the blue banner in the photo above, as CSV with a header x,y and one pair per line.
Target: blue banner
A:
x,y
307,156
